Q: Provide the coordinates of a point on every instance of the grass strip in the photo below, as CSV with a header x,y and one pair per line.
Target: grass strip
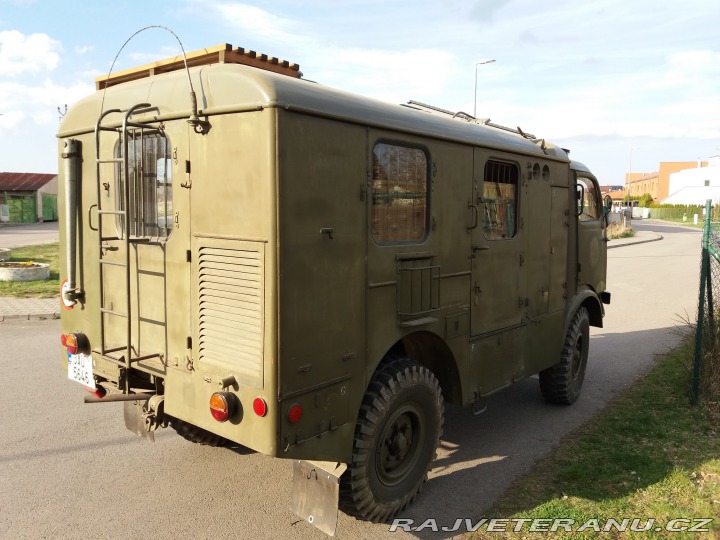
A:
x,y
648,455
48,288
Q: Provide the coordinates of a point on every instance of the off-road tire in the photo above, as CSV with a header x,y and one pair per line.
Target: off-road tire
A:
x,y
561,383
197,435
396,438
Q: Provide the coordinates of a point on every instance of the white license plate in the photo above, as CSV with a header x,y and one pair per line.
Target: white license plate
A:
x,y
80,369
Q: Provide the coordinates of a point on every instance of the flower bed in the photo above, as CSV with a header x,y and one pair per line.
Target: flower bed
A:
x,y
24,271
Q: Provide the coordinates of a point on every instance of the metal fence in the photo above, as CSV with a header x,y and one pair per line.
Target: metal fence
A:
x,y
706,365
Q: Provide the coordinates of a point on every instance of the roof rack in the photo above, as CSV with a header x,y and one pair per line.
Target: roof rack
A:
x,y
219,54
466,117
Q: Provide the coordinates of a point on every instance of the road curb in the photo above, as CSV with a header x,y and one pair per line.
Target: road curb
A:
x,y
636,242
30,317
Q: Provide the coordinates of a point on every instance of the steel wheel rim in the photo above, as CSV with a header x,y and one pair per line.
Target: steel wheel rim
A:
x,y
399,446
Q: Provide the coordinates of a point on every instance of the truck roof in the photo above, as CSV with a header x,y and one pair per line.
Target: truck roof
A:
x,y
226,87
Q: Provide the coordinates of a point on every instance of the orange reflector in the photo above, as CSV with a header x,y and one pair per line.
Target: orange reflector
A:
x,y
222,405
259,406
295,414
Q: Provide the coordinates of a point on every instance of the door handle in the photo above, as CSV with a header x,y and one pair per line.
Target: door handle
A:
x,y
474,216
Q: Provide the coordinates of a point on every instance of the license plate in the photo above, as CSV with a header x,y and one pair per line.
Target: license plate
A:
x,y
80,369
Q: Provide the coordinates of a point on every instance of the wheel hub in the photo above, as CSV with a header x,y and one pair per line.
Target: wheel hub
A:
x,y
398,449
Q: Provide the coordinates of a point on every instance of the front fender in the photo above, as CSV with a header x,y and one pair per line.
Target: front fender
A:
x,y
590,299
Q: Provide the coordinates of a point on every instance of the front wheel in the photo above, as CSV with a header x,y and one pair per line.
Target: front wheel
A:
x,y
396,437
562,382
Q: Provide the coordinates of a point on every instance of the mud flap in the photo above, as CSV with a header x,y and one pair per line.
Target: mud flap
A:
x,y
316,492
135,420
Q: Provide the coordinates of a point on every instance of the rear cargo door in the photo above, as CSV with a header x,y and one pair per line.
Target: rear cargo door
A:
x,y
145,270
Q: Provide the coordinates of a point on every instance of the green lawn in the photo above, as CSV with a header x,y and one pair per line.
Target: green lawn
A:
x,y
649,455
46,253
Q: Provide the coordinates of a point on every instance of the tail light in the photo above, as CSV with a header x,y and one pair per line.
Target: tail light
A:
x,y
75,342
222,405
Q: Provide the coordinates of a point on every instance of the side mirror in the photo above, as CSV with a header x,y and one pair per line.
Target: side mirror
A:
x,y
607,204
580,198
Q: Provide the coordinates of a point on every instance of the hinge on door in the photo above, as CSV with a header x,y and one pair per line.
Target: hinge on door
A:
x,y
188,256
522,260
187,166
188,342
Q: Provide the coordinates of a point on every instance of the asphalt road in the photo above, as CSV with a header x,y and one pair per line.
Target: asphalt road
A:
x,y
30,234
69,470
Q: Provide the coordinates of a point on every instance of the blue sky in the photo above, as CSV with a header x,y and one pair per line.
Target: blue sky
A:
x,y
598,77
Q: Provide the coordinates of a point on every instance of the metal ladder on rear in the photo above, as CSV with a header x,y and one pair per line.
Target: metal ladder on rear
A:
x,y
121,355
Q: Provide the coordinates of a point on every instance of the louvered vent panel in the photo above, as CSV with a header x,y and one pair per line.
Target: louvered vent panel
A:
x,y
231,311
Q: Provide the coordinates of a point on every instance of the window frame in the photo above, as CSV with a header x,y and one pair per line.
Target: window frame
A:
x,y
483,201
598,199
428,191
139,161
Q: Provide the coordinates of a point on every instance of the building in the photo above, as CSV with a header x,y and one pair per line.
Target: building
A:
x,y
28,197
657,183
695,186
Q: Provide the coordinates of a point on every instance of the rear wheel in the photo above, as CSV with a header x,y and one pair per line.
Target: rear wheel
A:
x,y
396,437
197,435
562,382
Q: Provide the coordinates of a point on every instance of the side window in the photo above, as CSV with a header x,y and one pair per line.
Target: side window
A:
x,y
399,194
150,184
590,210
500,200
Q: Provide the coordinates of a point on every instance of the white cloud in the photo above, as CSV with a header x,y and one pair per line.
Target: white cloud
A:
x,y
84,49
38,102
11,119
32,53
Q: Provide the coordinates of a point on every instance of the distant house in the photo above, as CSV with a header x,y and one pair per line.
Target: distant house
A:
x,y
695,186
28,197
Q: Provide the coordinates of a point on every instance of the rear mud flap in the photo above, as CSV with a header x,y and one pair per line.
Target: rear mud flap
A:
x,y
316,491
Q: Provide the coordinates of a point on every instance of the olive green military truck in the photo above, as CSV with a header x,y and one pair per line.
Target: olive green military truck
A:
x,y
249,256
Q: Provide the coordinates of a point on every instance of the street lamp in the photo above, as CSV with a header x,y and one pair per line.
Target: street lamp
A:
x,y
629,181
481,62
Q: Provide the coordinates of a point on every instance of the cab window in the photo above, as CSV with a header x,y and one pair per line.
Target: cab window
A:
x,y
588,200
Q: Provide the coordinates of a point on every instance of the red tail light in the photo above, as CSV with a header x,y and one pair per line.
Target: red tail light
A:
x,y
75,342
222,405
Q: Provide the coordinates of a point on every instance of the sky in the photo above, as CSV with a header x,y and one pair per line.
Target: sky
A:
x,y
623,84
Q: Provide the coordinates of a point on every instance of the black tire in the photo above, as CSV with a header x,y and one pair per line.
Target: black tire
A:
x,y
197,435
561,383
396,439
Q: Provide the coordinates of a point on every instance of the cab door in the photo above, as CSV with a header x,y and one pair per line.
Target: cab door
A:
x,y
592,233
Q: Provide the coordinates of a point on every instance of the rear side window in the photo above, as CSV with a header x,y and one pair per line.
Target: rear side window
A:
x,y
149,180
399,194
500,200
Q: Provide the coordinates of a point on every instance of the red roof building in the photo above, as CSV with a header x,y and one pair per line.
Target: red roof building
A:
x,y
28,197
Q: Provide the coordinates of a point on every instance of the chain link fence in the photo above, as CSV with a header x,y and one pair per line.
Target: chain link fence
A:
x,y
706,364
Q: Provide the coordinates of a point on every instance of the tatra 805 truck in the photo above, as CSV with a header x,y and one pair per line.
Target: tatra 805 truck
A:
x,y
253,257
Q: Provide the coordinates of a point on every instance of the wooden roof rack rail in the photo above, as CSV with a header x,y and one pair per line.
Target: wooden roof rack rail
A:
x,y
219,54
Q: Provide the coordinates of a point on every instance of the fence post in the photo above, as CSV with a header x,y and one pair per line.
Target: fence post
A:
x,y
704,278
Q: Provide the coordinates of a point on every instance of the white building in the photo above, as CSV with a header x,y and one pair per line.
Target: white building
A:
x,y
695,186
